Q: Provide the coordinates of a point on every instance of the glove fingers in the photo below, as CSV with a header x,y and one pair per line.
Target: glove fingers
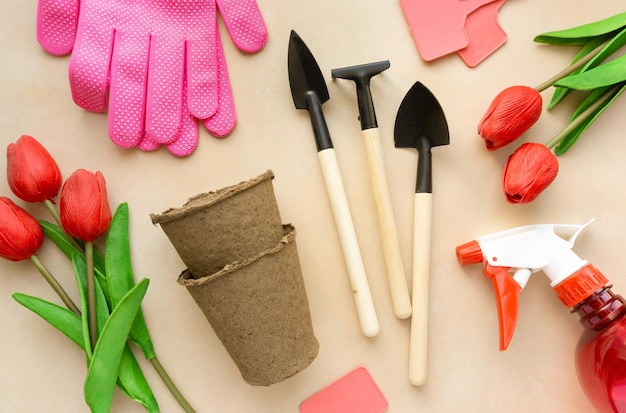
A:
x,y
194,24
187,141
165,89
148,145
202,76
90,59
56,25
223,122
183,145
127,106
244,23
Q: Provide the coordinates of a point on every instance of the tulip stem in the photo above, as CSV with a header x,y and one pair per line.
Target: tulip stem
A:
x,y
55,284
609,94
171,386
570,69
53,211
91,295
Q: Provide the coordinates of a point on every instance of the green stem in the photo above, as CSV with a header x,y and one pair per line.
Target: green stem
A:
x,y
53,211
583,116
55,284
568,70
91,295
171,386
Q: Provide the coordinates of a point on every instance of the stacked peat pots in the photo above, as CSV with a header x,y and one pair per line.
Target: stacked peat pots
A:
x,y
244,273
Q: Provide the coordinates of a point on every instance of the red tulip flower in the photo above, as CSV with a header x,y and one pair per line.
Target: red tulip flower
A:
x,y
85,212
20,233
511,113
85,215
32,173
528,171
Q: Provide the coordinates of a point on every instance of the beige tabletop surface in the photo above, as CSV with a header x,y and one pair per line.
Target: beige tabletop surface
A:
x,y
42,371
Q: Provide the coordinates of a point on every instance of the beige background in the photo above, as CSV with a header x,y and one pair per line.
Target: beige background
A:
x,y
41,371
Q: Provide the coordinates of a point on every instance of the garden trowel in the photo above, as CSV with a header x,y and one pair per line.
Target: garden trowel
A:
x,y
309,92
421,124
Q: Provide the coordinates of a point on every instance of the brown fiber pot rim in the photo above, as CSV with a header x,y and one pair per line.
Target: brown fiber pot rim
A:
x,y
208,199
186,278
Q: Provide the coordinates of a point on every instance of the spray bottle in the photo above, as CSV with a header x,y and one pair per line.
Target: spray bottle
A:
x,y
510,257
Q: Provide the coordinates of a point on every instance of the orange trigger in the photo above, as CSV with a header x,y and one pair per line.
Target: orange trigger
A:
x,y
506,290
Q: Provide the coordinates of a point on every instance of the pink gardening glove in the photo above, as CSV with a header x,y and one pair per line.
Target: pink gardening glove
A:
x,y
158,60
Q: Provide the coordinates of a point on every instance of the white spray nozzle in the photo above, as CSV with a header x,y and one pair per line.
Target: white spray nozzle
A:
x,y
546,247
512,256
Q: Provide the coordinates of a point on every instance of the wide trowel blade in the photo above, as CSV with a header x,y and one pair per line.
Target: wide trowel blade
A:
x,y
305,76
420,116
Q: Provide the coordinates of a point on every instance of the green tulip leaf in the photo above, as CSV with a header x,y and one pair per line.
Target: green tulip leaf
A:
x,y
134,384
103,369
59,237
607,74
80,273
60,318
611,47
119,275
570,139
561,93
131,379
63,241
579,35
588,101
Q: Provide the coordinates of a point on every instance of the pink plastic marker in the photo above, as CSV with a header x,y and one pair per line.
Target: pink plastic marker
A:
x,y
437,26
355,392
484,33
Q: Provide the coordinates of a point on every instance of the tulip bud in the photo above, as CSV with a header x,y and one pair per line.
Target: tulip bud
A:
x,y
528,171
20,233
84,207
32,173
511,113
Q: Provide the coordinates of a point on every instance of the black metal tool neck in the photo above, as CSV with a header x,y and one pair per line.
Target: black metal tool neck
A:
x,y
362,75
424,183
367,115
320,128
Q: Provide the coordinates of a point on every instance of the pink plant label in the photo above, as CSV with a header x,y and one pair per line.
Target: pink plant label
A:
x,y
484,33
443,27
356,392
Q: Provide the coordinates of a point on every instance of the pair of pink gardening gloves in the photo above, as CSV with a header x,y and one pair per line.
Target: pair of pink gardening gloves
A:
x,y
158,65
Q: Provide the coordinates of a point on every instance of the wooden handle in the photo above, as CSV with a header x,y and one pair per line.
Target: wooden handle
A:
x,y
418,354
347,237
389,235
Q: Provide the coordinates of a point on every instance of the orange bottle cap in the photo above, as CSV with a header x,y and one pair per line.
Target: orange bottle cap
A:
x,y
580,285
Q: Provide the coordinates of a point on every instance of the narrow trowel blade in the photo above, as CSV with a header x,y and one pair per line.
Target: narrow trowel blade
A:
x,y
305,75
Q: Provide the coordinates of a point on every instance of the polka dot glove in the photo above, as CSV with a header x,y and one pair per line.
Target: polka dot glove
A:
x,y
157,65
